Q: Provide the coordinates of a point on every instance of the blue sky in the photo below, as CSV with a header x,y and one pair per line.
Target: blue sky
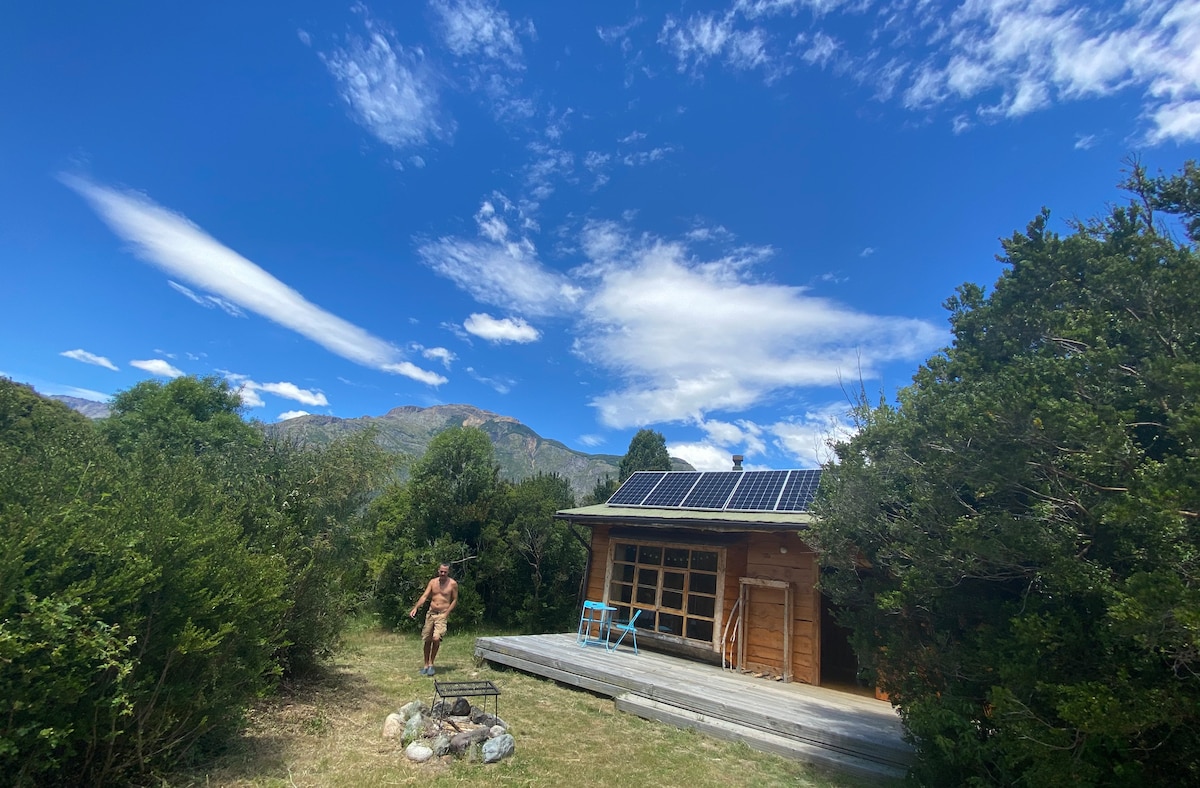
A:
x,y
713,219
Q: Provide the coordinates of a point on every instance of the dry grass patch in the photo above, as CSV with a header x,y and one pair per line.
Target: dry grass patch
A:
x,y
328,732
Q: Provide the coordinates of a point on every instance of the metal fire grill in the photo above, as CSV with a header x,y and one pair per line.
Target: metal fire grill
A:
x,y
467,689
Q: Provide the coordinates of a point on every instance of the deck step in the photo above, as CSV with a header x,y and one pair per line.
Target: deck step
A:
x,y
757,739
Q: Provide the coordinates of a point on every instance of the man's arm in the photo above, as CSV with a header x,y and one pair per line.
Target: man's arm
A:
x,y
453,598
424,597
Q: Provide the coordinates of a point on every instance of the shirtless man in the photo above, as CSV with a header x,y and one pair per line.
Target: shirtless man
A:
x,y
442,594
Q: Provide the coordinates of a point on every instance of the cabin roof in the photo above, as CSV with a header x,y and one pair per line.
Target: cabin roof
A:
x,y
687,518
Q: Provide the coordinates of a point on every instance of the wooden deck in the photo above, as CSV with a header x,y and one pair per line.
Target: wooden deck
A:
x,y
851,733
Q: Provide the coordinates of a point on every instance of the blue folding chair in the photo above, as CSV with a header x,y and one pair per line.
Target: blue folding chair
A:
x,y
590,615
625,628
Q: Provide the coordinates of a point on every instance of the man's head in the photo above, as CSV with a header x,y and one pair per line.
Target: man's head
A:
x,y
444,570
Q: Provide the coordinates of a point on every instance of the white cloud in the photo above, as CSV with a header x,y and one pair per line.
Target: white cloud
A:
x,y
704,37
156,366
867,251
410,370
548,164
478,27
441,354
89,358
291,391
501,385
95,396
508,329
1007,58
250,397
807,437
1085,141
389,89
686,337
643,157
701,456
292,414
176,245
502,268
207,301
1179,122
591,441
818,49
1020,56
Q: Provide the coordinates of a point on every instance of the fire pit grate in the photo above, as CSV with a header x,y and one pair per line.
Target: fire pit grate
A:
x,y
467,689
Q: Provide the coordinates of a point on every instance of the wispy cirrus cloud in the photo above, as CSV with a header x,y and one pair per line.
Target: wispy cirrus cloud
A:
x,y
480,28
497,330
171,242
501,266
486,44
390,90
704,37
989,60
79,354
502,385
157,366
207,301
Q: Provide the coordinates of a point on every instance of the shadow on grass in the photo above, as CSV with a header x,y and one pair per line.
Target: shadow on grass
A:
x,y
302,709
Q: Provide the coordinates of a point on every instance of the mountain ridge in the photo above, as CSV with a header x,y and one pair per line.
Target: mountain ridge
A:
x,y
407,429
520,451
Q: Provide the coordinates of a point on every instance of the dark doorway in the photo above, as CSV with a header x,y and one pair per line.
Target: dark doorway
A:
x,y
839,666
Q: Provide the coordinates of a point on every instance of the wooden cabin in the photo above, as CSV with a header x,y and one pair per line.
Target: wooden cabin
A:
x,y
718,565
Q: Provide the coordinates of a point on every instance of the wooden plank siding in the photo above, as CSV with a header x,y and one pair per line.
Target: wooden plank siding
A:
x,y
599,570
783,556
755,555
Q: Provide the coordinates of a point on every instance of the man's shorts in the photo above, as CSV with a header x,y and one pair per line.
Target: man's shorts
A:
x,y
435,626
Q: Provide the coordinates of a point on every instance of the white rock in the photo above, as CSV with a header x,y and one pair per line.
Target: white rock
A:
x,y
498,748
418,752
393,726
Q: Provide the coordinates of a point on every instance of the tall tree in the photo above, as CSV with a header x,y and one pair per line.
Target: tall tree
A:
x,y
438,515
187,414
647,452
1017,540
532,564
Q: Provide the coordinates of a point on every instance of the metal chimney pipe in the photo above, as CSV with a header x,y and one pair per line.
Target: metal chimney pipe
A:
x,y
737,462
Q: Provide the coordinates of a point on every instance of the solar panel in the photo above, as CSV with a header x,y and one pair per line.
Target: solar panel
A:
x,y
758,492
635,488
671,490
712,491
731,491
799,491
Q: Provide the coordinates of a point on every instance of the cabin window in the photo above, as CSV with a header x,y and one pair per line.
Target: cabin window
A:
x,y
675,587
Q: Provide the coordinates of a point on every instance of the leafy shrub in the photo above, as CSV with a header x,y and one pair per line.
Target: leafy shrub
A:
x,y
134,622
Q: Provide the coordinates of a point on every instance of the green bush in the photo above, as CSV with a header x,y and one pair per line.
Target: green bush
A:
x,y
134,622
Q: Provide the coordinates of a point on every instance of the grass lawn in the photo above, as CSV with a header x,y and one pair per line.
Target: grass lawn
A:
x,y
328,732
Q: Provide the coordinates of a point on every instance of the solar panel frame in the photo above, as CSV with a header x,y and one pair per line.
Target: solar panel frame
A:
x,y
799,491
635,489
758,492
712,490
672,489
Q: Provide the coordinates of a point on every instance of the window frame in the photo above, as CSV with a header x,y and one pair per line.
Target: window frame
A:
x,y
718,597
